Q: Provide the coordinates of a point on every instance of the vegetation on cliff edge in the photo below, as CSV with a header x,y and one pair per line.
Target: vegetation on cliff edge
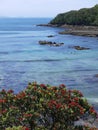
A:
x,y
85,16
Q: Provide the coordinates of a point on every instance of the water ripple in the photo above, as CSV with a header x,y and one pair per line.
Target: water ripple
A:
x,y
35,60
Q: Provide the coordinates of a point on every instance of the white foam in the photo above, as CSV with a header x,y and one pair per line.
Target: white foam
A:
x,y
93,100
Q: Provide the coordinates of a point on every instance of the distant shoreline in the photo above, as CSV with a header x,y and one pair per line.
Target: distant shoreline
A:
x,y
79,30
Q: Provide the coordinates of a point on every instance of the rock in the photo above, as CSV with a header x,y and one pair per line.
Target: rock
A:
x,y
62,43
81,48
96,75
50,36
89,31
48,25
44,42
90,122
50,43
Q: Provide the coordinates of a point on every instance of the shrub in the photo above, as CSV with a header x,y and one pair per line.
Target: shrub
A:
x,y
43,107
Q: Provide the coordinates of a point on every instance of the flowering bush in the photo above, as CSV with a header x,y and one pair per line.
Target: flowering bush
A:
x,y
43,107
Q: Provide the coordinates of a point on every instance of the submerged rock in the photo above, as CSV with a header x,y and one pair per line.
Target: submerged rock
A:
x,y
45,42
50,43
48,25
96,75
50,36
81,48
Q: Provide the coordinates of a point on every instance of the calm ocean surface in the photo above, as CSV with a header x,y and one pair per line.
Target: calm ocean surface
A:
x,y
23,60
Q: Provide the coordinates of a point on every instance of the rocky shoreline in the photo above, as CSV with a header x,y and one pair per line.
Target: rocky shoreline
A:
x,y
91,31
79,30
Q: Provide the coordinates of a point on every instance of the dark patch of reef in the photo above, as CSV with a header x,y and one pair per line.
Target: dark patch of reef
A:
x,y
50,43
80,48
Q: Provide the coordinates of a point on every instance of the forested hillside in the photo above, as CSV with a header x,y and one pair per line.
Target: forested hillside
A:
x,y
85,16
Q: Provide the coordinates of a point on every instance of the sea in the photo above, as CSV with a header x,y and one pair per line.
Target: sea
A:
x,y
24,60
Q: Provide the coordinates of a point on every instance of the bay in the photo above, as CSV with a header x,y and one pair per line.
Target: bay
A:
x,y
23,60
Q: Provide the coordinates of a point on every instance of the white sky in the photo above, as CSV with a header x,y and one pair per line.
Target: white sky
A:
x,y
41,8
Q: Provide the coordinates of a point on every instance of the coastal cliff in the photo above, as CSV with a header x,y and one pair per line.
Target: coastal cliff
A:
x,y
83,22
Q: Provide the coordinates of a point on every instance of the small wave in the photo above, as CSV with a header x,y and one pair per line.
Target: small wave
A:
x,y
36,60
93,100
21,72
8,32
18,51
47,60
4,52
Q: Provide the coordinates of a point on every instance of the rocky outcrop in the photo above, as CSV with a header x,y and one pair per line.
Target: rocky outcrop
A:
x,y
50,36
96,75
50,43
78,30
82,32
48,25
80,48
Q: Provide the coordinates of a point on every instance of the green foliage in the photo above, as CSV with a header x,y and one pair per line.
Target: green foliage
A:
x,y
17,128
86,16
43,107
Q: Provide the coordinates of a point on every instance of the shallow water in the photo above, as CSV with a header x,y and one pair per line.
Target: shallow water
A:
x,y
23,60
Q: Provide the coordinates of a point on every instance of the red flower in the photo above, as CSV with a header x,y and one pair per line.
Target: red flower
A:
x,y
3,91
3,111
77,92
52,103
43,86
91,110
62,86
35,88
27,128
58,105
73,103
10,91
20,119
20,95
76,99
63,92
2,101
28,115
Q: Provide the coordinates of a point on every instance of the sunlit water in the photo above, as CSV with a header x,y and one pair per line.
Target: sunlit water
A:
x,y
23,60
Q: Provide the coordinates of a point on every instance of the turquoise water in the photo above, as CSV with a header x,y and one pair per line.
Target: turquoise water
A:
x,y
23,60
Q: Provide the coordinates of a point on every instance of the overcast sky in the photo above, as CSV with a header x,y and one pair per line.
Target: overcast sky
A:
x,y
41,8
